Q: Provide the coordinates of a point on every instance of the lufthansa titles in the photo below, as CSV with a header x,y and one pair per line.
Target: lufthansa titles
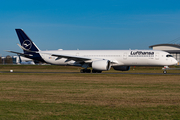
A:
x,y
141,54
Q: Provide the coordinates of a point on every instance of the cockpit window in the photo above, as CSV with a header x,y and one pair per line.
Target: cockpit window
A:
x,y
169,56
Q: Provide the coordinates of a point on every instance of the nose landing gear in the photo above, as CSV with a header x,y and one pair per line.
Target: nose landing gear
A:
x,y
164,71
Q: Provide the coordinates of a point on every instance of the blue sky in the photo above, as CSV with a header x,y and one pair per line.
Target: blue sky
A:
x,y
89,24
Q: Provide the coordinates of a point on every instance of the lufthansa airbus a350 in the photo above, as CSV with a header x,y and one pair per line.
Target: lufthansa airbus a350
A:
x,y
98,60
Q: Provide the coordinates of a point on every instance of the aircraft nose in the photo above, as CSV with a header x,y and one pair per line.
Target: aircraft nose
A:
x,y
175,62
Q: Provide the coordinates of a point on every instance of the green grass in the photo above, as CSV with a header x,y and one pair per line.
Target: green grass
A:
x,y
35,110
87,96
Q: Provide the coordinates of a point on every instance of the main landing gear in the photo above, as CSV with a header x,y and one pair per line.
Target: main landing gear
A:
x,y
85,70
96,71
89,71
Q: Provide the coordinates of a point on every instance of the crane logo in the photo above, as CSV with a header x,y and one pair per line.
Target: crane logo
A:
x,y
27,44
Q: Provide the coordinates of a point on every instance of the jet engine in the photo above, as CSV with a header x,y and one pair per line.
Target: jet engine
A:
x,y
121,68
101,65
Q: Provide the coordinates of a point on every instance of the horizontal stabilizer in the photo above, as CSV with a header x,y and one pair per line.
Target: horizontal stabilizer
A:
x,y
21,54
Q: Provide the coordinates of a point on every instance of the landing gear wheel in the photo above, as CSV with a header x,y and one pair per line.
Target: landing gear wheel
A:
x,y
96,71
82,71
164,71
85,70
88,70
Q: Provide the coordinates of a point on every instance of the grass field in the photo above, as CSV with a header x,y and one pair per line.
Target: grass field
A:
x,y
87,96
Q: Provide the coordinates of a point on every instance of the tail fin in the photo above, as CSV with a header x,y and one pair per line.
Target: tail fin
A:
x,y
30,48
25,41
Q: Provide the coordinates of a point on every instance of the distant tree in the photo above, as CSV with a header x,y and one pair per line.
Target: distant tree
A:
x,y
1,61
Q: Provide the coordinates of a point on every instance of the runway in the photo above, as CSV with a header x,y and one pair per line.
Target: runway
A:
x,y
94,73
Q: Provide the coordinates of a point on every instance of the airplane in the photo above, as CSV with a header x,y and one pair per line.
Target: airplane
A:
x,y
98,60
25,61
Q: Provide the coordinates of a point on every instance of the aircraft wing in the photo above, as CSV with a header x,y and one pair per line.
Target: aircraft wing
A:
x,y
69,57
79,58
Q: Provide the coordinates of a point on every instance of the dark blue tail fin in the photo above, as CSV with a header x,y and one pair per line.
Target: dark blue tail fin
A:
x,y
25,41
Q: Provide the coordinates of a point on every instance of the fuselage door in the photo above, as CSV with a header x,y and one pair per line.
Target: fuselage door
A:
x,y
157,56
125,56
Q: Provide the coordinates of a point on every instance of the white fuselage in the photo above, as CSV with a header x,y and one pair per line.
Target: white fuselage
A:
x,y
117,57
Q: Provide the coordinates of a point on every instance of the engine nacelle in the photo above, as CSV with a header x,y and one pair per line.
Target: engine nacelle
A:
x,y
121,68
101,65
